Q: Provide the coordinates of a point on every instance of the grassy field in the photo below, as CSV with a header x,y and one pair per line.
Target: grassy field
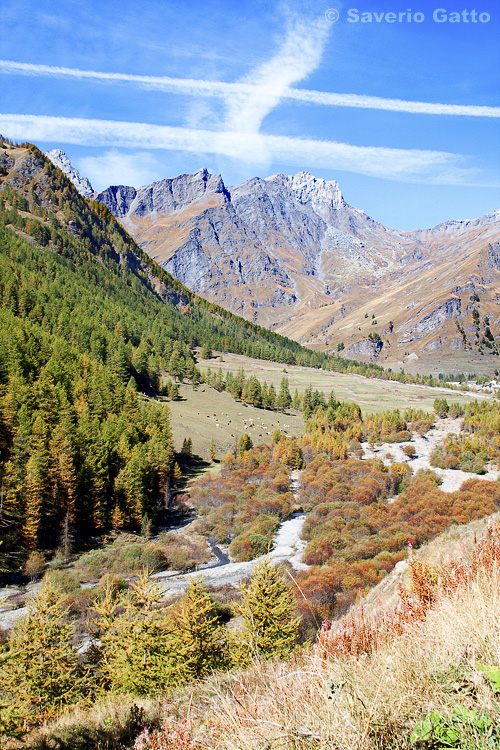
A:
x,y
203,413
371,395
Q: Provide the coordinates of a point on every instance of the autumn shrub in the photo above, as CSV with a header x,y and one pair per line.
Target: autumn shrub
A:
x,y
256,539
35,565
182,551
128,556
122,557
175,733
358,633
249,488
359,537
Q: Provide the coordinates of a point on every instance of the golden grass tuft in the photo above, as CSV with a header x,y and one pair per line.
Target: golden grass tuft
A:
x,y
110,724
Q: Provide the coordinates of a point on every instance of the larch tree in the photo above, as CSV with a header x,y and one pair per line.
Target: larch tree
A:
x,y
136,647
201,631
39,669
284,399
267,608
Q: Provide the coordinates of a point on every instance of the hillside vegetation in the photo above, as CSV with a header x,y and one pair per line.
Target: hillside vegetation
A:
x,y
87,323
425,675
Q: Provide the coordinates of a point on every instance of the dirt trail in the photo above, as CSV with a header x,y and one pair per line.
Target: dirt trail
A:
x,y
424,446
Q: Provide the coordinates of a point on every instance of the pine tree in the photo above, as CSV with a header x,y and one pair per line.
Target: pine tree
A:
x,y
120,364
244,444
238,383
136,647
200,629
206,352
253,392
212,450
62,475
187,447
176,365
284,398
176,474
267,608
271,397
39,670
33,492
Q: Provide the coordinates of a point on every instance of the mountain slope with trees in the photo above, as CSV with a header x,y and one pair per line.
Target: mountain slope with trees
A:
x,y
88,322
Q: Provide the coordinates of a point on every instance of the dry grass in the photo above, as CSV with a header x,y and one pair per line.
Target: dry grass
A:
x,y
371,394
329,699
110,724
368,702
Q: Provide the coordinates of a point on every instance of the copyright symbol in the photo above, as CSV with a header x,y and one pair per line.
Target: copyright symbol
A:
x,y
332,15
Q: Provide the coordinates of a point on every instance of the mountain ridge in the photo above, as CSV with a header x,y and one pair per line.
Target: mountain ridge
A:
x,y
289,253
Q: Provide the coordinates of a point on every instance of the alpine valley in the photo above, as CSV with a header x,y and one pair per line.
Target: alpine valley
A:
x,y
289,253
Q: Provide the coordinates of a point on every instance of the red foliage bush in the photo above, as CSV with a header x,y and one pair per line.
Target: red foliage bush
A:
x,y
357,634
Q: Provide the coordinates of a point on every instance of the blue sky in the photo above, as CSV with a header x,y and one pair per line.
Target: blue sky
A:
x,y
397,101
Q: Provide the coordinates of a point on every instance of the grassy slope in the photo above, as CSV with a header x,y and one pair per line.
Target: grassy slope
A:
x,y
329,701
204,408
201,409
371,394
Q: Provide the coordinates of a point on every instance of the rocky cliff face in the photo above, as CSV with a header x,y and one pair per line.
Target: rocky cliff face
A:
x,y
291,254
262,248
60,159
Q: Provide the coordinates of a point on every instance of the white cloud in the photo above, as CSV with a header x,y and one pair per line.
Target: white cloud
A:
x,y
221,89
438,167
298,56
117,168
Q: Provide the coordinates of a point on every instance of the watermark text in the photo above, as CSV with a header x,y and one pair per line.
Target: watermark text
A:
x,y
439,15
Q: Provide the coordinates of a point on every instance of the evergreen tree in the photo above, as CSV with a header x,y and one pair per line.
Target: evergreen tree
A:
x,y
267,608
252,393
34,493
238,383
284,399
244,444
136,648
212,450
187,447
206,352
271,397
202,634
176,474
39,670
176,365
218,381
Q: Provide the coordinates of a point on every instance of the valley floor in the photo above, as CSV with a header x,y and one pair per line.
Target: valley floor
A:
x,y
288,545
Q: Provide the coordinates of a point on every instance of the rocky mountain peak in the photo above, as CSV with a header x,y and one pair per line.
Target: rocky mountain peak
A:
x,y
318,191
165,196
60,160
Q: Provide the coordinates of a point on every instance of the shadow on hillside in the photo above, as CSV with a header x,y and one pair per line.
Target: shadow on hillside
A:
x,y
192,467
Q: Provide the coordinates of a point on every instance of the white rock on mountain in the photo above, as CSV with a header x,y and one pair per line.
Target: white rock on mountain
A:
x,y
60,160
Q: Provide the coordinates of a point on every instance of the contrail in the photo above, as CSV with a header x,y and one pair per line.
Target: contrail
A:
x,y
413,165
197,87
